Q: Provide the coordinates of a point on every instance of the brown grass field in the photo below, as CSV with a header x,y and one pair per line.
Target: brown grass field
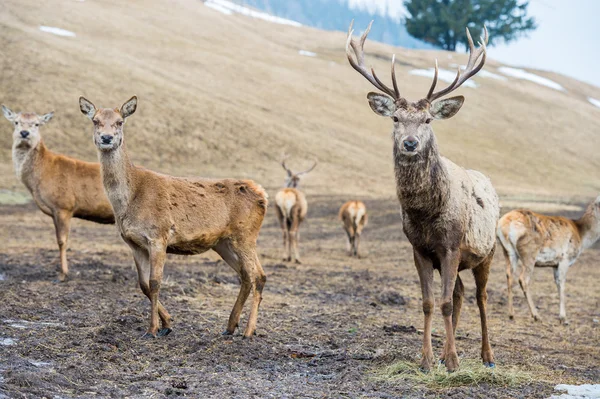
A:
x,y
223,96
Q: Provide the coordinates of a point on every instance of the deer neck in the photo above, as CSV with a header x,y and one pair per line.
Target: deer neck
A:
x,y
116,176
422,183
25,159
589,228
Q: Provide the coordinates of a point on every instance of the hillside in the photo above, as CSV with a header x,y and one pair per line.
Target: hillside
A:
x,y
223,95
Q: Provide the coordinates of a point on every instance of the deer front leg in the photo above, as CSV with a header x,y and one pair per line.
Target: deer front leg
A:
x,y
425,269
481,274
258,281
62,225
157,262
560,278
449,271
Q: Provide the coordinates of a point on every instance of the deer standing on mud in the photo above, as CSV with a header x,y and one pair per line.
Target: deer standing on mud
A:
x,y
449,213
353,215
545,241
61,187
159,214
291,208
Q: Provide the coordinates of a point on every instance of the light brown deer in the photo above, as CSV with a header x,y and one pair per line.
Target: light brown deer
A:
x,y
449,213
353,215
62,187
545,241
159,214
291,208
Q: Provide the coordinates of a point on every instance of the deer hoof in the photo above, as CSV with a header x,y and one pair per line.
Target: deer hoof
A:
x,y
227,332
489,364
511,317
148,335
163,332
564,321
297,261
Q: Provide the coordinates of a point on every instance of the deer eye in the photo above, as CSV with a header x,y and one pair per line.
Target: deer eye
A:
x,y
119,123
37,124
16,123
395,118
428,120
95,122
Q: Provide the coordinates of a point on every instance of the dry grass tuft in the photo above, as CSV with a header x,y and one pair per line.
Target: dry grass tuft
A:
x,y
470,372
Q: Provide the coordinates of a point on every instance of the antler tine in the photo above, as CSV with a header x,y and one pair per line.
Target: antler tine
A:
x,y
283,158
359,64
470,69
435,79
307,170
396,90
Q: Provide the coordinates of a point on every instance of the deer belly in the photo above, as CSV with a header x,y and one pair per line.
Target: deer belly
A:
x,y
547,257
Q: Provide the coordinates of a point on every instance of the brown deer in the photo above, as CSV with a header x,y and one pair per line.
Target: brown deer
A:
x,y
449,213
291,208
545,241
62,187
159,214
353,215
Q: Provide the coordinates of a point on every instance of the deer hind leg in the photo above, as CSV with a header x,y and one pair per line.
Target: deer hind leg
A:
x,y
142,264
283,223
356,244
560,278
295,235
425,269
257,280
349,244
511,266
62,225
481,274
449,271
524,279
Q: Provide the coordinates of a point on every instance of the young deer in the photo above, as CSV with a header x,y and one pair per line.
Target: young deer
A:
x,y
449,213
159,214
353,215
62,187
545,241
291,208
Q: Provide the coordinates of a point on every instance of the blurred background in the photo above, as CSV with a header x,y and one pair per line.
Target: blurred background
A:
x,y
225,87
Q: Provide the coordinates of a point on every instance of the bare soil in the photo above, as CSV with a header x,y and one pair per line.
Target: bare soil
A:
x,y
325,327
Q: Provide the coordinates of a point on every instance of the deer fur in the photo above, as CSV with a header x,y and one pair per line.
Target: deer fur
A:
x,y
291,208
159,214
353,215
449,213
62,187
538,240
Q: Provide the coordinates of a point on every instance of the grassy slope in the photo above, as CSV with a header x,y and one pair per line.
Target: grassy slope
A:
x,y
223,95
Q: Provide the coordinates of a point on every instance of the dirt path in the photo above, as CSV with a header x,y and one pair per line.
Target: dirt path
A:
x,y
324,327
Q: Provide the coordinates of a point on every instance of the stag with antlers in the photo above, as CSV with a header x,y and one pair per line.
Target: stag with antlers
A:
x,y
291,208
449,213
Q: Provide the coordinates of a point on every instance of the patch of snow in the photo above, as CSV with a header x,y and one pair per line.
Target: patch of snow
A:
x,y
307,53
2,276
585,391
443,74
39,364
227,7
7,341
57,31
523,74
594,101
29,324
486,74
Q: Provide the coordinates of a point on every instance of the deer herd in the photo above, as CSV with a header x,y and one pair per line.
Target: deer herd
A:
x,y
450,214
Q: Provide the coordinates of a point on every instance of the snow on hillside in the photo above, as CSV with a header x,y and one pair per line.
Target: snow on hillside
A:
x,y
57,31
228,8
443,74
594,101
523,74
585,391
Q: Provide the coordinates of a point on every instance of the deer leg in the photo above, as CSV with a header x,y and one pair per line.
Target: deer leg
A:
x,y
425,269
511,264
142,261
356,244
560,278
449,271
457,300
481,274
524,278
295,235
349,242
62,225
158,255
258,280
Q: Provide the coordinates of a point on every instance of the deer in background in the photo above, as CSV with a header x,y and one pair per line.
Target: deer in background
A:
x,y
545,241
62,187
291,208
449,213
353,215
159,214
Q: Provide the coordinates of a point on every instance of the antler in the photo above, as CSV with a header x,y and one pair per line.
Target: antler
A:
x,y
360,67
470,69
307,170
283,158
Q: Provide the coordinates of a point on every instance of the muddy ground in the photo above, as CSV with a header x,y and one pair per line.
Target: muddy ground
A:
x,y
325,327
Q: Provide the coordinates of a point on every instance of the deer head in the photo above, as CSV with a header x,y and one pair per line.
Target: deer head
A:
x,y
412,120
108,122
26,133
293,179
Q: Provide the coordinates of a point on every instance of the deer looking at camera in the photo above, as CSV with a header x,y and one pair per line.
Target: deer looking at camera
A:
x,y
545,241
62,187
159,214
291,208
449,213
353,215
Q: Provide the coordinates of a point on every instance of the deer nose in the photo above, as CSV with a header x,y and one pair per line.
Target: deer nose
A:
x,y
410,143
24,133
106,139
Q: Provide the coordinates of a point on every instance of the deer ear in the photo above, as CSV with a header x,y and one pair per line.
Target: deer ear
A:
x,y
447,108
46,118
129,107
8,114
87,107
381,104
